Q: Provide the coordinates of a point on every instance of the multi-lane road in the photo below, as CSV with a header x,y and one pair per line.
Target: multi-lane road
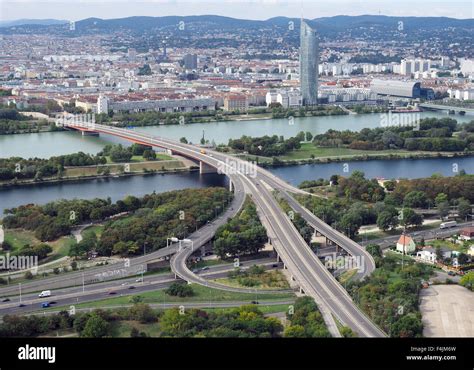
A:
x,y
123,287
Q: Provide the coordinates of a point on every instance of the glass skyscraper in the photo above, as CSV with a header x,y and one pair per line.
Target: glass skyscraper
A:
x,y
309,59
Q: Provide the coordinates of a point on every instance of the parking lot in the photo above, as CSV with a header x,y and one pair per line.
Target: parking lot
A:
x,y
448,311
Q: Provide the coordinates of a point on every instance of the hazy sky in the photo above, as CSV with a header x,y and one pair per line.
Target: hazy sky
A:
x,y
247,9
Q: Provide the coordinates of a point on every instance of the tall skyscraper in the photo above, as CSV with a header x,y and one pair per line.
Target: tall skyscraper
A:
x,y
309,59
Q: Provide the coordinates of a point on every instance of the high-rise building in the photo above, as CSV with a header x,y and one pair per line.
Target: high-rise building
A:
x,y
309,59
190,61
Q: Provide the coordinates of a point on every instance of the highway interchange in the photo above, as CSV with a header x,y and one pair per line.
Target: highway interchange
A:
x,y
304,266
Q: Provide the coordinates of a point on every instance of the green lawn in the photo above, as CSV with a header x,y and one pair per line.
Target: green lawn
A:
x,y
139,158
18,238
308,149
96,229
201,294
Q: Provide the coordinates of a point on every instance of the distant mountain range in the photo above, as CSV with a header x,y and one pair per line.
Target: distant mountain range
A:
x,y
21,22
140,23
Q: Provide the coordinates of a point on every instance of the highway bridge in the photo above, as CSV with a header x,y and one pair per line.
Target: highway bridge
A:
x,y
305,268
430,106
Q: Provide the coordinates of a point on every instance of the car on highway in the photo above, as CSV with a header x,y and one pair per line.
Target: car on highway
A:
x,y
451,273
131,287
254,302
6,300
205,268
139,280
45,304
21,305
112,293
45,293
275,265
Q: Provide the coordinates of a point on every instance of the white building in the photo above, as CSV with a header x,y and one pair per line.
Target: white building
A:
x,y
427,255
287,99
406,244
102,104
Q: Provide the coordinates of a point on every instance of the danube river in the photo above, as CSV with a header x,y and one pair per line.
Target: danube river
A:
x,y
48,144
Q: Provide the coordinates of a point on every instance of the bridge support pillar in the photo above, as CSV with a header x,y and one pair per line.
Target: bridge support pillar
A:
x,y
89,133
205,168
231,187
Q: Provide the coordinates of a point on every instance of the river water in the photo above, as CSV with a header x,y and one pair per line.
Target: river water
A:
x,y
45,145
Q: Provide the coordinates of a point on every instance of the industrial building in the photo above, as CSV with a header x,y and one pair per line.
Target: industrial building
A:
x,y
401,89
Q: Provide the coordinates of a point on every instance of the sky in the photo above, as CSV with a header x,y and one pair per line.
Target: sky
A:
x,y
245,9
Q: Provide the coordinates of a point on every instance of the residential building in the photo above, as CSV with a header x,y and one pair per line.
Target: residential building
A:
x,y
426,255
236,102
406,244
467,233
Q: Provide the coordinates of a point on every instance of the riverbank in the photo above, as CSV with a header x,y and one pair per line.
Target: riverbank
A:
x,y
86,173
310,154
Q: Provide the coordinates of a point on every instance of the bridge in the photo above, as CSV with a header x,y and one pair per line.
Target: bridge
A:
x,y
302,264
430,106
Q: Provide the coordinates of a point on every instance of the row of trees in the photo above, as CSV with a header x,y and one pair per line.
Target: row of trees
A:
x,y
429,134
361,201
267,146
38,168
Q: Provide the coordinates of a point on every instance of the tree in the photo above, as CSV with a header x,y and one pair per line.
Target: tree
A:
x,y
443,209
143,313
410,217
468,280
149,154
294,331
96,327
389,185
350,223
183,140
415,199
387,219
6,245
309,136
464,208
180,290
374,250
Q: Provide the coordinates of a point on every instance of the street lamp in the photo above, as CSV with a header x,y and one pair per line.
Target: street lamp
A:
x,y
173,240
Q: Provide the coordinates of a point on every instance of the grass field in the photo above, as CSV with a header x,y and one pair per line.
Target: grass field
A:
x,y
308,149
18,238
201,294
